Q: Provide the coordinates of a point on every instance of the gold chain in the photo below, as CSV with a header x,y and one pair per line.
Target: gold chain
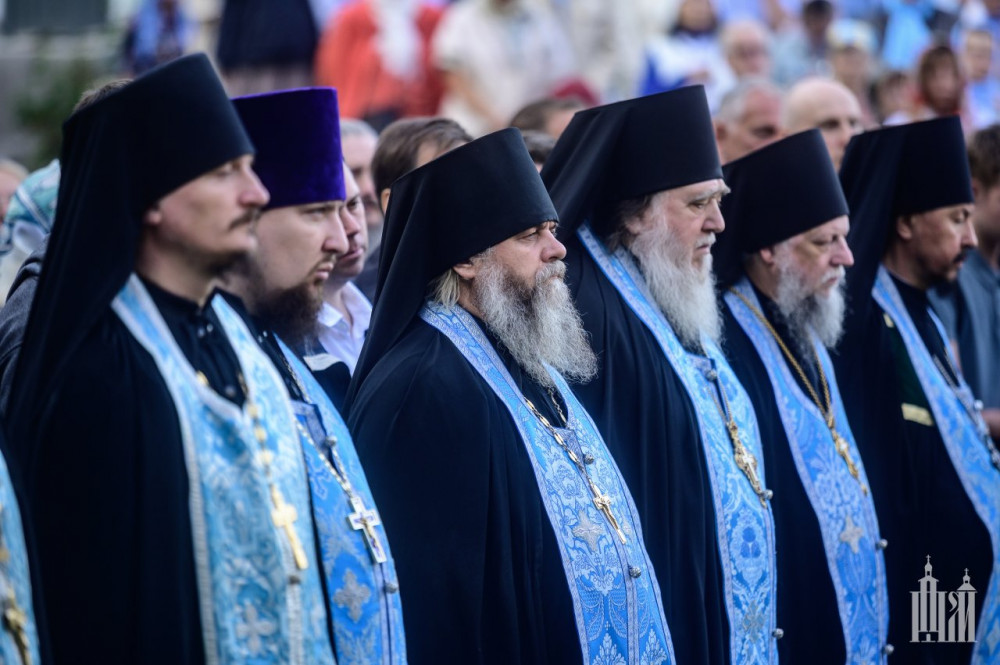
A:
x,y
843,449
601,501
744,458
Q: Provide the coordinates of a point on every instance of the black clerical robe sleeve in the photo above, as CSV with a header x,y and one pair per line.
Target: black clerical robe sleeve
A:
x,y
108,488
479,568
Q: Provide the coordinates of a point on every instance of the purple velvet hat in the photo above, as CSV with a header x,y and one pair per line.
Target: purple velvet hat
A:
x,y
297,136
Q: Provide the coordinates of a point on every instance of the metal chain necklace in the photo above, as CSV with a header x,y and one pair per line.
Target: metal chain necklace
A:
x,y
974,410
841,445
601,501
743,457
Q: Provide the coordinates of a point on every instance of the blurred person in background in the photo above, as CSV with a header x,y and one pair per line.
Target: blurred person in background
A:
x,y
266,45
359,140
161,31
804,50
982,90
746,45
549,115
748,118
26,221
940,89
11,176
496,56
376,53
827,105
852,45
891,93
688,54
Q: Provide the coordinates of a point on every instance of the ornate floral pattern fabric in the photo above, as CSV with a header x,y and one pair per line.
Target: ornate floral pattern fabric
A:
x,y
962,436
745,527
613,586
846,515
256,605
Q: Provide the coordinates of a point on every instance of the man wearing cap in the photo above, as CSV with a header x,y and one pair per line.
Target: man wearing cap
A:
x,y
169,495
637,185
934,471
516,537
300,237
781,265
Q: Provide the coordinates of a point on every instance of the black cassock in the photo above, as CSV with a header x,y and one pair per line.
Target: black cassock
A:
x,y
922,506
806,602
108,486
643,411
477,559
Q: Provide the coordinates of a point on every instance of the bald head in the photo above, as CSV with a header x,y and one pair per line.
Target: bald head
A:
x,y
828,106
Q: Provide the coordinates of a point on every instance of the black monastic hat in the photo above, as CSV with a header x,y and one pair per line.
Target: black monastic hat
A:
x,y
629,149
443,213
777,192
119,157
901,170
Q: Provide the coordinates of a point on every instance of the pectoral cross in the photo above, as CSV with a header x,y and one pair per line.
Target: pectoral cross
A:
x,y
365,520
15,621
845,452
284,516
746,462
603,503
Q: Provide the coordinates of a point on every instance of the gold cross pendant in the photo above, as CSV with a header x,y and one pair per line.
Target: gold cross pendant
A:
x,y
15,621
603,503
284,516
746,462
845,452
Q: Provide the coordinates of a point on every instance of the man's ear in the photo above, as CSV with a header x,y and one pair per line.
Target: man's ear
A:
x,y
767,255
153,216
466,269
383,199
978,191
904,227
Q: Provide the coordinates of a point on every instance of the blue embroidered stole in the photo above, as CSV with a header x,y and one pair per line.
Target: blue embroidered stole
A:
x,y
846,515
256,605
745,527
962,436
363,596
619,613
15,578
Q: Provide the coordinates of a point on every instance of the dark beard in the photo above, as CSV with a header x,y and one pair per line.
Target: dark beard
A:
x,y
291,313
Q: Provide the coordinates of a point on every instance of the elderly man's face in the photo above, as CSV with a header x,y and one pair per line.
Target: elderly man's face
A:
x,y
833,110
691,215
358,152
819,257
936,241
212,218
526,254
759,125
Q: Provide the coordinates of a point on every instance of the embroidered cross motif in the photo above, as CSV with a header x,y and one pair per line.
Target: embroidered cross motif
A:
x,y
284,516
851,534
365,520
588,531
253,628
352,595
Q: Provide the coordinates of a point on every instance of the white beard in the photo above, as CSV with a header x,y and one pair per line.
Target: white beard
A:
x,y
538,324
805,311
685,293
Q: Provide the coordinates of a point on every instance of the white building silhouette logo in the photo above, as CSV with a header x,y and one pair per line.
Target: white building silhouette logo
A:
x,y
943,616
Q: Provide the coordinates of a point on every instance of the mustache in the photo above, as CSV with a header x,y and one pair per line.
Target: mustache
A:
x,y
962,254
250,217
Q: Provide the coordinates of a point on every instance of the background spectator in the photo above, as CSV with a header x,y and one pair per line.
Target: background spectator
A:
x,y
496,56
549,115
852,47
748,118
804,50
940,89
161,31
828,106
746,46
376,53
982,90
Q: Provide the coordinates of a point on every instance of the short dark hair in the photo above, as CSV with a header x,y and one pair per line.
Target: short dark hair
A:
x,y
535,116
539,144
398,145
984,156
96,94
818,9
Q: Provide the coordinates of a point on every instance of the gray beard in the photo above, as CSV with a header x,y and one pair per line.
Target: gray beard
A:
x,y
684,293
538,324
805,312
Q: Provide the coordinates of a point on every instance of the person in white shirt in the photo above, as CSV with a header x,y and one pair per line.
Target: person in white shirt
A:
x,y
343,320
